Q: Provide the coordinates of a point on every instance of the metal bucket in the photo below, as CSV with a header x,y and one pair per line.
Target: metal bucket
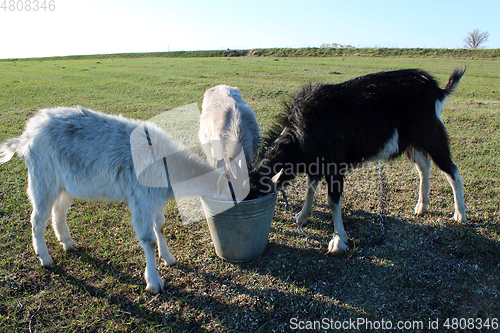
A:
x,y
240,233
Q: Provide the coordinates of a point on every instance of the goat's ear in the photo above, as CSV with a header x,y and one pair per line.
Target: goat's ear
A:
x,y
231,168
222,186
275,179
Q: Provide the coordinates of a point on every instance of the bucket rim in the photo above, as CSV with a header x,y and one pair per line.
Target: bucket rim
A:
x,y
226,201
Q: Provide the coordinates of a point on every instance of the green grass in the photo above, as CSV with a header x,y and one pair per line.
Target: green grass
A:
x,y
426,268
299,52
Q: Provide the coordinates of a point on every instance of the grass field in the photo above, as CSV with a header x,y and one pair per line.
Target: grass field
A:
x,y
426,268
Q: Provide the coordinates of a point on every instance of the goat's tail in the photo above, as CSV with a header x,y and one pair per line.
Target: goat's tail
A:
x,y
454,80
8,149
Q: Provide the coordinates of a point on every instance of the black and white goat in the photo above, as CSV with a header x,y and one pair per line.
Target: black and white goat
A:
x,y
78,153
227,125
328,128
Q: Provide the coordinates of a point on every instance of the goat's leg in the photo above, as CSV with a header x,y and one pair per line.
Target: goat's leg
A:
x,y
59,212
163,250
41,200
142,221
39,219
423,166
440,154
337,244
154,283
455,181
312,185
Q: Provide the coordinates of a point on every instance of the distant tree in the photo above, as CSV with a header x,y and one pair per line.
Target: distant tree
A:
x,y
336,46
475,39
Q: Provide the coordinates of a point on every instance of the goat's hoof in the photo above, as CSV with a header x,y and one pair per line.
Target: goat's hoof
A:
x,y
47,261
155,288
337,246
302,221
154,282
459,217
420,209
170,261
70,246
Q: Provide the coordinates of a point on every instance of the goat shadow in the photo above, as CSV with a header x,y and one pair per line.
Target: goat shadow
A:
x,y
422,261
129,308
345,280
104,266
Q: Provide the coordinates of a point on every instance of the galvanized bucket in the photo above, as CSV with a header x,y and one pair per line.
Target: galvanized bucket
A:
x,y
240,233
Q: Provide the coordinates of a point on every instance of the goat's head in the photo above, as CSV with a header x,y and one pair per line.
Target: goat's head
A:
x,y
234,180
274,165
263,182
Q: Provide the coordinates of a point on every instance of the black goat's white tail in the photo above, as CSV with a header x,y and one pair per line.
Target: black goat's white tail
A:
x,y
8,149
454,80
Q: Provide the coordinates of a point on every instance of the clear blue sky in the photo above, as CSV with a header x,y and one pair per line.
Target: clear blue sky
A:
x,y
114,26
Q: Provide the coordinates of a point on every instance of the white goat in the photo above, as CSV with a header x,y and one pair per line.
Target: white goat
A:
x,y
78,153
228,124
